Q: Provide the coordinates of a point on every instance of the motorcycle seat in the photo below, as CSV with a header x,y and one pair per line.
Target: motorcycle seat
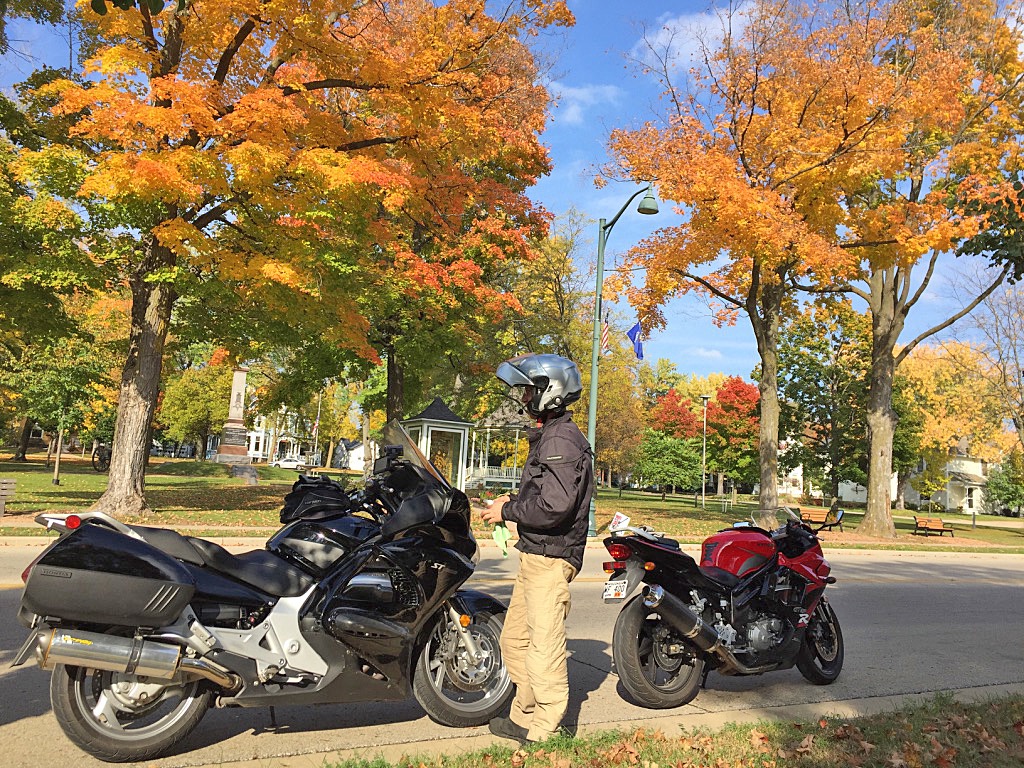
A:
x,y
258,568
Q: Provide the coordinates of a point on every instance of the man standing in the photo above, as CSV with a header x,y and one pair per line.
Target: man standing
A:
x,y
551,511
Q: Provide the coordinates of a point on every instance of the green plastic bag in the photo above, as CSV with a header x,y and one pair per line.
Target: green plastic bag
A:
x,y
501,535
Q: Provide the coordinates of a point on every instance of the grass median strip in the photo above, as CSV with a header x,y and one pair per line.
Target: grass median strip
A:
x,y
940,732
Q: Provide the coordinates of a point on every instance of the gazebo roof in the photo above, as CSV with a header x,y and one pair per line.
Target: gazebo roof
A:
x,y
438,411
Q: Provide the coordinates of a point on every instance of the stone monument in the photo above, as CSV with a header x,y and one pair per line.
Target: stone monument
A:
x,y
233,448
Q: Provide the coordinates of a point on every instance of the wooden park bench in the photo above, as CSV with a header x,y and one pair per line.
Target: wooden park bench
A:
x,y
818,518
6,492
929,525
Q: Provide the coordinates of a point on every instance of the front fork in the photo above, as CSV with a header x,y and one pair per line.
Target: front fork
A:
x,y
472,649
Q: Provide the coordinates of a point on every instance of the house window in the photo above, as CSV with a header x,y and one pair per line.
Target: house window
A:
x,y
984,468
970,497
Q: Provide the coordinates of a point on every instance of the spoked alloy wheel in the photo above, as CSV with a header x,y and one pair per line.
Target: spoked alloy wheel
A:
x,y
657,670
451,688
820,658
124,718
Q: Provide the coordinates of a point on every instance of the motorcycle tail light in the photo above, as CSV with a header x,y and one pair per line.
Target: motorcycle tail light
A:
x,y
612,566
620,551
24,574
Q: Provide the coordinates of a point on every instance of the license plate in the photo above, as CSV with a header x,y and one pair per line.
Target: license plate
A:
x,y
616,589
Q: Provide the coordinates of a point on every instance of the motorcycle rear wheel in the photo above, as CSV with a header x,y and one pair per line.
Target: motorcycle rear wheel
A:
x,y
451,689
107,714
652,677
820,658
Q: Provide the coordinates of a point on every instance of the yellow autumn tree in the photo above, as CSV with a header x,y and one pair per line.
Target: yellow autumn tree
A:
x,y
296,155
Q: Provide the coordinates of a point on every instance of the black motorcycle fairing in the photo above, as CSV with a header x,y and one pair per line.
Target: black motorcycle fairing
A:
x,y
76,578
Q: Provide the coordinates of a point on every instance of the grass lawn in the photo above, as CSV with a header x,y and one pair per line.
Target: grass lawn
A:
x,y
201,497
940,732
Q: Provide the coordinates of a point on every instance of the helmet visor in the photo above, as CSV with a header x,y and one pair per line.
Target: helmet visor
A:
x,y
512,376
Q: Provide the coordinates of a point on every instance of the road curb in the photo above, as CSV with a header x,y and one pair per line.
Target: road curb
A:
x,y
668,724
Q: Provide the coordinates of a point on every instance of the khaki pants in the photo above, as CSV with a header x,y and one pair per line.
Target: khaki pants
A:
x,y
533,643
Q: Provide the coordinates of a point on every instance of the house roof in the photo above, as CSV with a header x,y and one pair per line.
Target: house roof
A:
x,y
438,411
966,478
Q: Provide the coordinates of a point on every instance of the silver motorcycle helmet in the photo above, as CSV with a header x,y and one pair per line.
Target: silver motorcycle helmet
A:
x,y
550,382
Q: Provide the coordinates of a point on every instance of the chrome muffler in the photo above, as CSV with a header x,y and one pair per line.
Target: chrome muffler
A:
x,y
127,655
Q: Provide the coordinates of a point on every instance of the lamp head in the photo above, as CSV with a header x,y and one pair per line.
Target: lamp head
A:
x,y
705,398
649,204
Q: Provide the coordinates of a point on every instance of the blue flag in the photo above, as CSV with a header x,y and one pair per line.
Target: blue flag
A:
x,y
636,336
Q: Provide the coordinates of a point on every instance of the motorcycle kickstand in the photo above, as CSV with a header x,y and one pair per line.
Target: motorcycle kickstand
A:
x,y
704,678
472,649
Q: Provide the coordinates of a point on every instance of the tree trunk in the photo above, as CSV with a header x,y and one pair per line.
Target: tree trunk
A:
x,y
766,331
396,386
881,420
24,436
140,384
49,451
56,461
903,479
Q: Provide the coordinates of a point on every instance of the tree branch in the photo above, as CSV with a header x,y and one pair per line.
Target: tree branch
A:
x,y
962,313
229,53
711,289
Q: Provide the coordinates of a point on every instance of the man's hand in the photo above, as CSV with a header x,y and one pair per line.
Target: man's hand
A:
x,y
492,512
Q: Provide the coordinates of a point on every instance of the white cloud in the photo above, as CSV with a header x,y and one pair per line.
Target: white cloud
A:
x,y
709,354
678,40
572,103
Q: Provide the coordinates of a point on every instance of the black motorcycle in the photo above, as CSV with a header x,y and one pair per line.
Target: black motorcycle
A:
x,y
356,599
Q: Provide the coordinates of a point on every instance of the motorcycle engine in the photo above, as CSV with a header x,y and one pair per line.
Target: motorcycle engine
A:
x,y
764,633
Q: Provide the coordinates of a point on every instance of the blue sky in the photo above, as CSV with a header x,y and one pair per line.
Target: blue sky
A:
x,y
594,76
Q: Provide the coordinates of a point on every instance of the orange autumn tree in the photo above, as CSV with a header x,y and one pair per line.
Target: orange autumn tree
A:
x,y
815,148
294,152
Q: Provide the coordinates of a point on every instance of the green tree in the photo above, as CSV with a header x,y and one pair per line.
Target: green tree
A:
x,y
1005,488
824,356
195,405
59,385
668,461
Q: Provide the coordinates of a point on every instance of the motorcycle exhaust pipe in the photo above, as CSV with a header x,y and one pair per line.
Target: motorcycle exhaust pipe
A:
x,y
692,627
128,655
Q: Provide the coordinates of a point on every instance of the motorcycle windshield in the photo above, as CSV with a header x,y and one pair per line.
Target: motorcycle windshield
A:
x,y
395,434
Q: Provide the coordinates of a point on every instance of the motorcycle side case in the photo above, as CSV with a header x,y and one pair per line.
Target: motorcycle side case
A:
x,y
736,551
99,576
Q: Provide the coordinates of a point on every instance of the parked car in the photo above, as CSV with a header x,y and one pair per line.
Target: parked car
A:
x,y
289,462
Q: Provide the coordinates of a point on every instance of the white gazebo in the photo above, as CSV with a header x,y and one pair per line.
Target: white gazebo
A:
x,y
444,438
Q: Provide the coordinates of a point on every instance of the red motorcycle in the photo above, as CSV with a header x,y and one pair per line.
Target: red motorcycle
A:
x,y
755,603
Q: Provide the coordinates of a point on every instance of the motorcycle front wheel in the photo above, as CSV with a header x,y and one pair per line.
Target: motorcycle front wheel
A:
x,y
123,718
655,668
820,658
453,689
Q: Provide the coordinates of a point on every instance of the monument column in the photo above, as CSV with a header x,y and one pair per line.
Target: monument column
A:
x,y
233,449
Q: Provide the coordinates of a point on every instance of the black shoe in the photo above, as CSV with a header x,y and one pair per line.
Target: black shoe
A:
x,y
502,726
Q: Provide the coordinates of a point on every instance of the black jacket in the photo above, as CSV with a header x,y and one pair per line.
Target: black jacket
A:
x,y
552,508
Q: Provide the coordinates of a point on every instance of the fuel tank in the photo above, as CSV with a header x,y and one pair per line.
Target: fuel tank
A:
x,y
318,545
736,552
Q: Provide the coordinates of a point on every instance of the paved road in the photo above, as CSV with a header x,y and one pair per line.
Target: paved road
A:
x,y
914,623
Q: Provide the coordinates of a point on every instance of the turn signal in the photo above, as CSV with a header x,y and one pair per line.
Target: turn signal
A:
x,y
465,620
649,566
620,551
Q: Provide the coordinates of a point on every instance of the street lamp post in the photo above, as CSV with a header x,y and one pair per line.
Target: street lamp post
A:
x,y
704,450
648,206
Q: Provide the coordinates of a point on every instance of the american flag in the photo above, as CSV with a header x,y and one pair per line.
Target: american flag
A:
x,y
605,334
